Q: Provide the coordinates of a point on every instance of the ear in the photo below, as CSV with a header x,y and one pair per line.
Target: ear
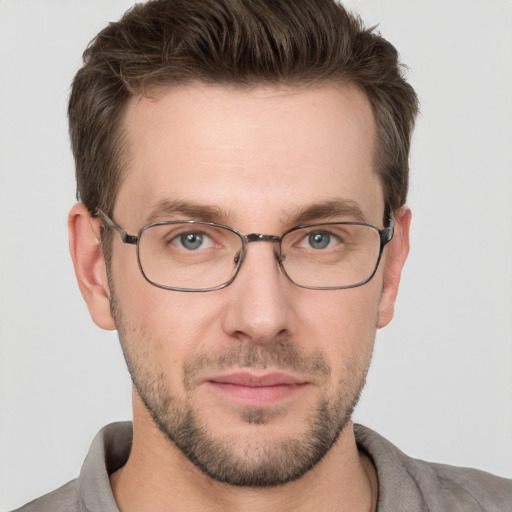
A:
x,y
85,248
398,249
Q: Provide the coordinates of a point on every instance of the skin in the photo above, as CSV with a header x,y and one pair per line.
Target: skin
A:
x,y
257,156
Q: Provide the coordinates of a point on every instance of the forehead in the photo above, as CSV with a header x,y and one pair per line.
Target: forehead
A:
x,y
259,152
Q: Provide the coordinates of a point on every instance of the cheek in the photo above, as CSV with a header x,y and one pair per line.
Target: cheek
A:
x,y
162,328
342,323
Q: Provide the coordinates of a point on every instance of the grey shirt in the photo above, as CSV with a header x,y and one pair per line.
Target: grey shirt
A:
x,y
405,484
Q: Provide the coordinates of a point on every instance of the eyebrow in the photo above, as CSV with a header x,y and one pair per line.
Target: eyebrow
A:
x,y
328,210
167,210
334,209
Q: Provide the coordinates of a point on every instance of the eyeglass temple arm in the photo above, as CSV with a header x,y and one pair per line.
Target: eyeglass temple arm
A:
x,y
125,236
386,234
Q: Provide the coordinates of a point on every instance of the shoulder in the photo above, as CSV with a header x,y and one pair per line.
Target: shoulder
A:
x,y
408,484
91,490
64,499
490,492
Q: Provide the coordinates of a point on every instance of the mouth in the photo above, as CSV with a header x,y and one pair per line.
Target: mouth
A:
x,y
251,389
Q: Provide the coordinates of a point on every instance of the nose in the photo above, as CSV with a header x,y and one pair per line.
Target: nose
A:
x,y
259,307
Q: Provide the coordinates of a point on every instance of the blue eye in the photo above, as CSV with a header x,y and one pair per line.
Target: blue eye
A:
x,y
319,240
193,240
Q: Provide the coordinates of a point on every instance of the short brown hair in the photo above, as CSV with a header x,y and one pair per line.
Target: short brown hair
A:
x,y
238,42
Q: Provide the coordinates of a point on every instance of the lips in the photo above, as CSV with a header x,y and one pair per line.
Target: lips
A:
x,y
254,389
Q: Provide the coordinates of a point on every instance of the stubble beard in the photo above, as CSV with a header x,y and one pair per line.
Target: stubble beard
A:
x,y
254,463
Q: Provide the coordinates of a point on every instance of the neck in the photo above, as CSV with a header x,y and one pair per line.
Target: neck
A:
x,y
158,477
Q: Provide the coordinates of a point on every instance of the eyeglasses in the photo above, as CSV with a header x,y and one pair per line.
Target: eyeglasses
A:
x,y
193,256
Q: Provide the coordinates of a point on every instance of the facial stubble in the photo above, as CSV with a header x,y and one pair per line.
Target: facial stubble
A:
x,y
250,462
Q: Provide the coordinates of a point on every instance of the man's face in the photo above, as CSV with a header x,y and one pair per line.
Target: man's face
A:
x,y
253,382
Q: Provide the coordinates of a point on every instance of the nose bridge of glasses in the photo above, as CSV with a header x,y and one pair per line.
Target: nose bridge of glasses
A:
x,y
258,237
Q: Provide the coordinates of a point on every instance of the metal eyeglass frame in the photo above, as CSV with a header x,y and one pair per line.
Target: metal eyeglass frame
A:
x,y
386,235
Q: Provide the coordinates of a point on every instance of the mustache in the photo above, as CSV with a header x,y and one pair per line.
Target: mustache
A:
x,y
280,354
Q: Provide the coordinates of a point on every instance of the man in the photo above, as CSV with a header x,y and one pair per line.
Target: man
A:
x,y
254,154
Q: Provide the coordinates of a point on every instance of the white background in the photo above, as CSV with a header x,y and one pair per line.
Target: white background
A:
x,y
441,382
